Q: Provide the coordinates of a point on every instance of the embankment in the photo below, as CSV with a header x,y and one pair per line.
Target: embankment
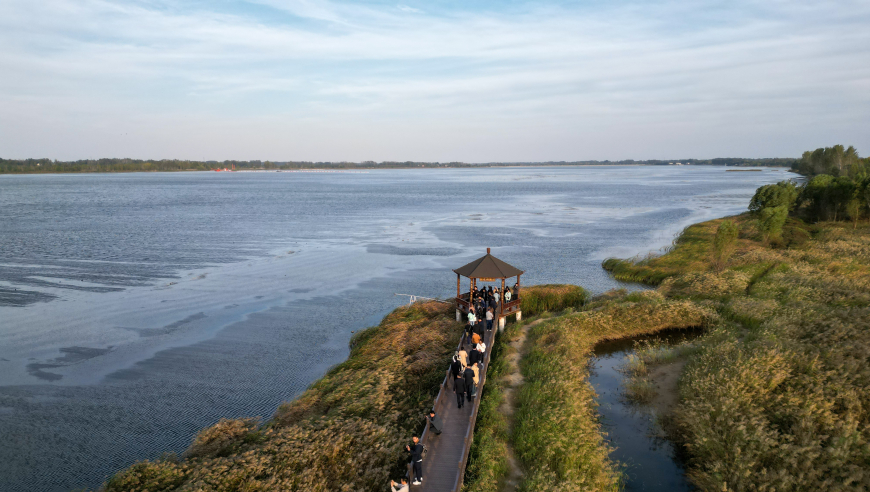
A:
x,y
344,433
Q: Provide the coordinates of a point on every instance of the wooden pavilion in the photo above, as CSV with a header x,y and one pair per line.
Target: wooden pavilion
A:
x,y
488,269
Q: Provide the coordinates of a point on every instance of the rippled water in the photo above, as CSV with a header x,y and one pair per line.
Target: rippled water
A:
x,y
136,309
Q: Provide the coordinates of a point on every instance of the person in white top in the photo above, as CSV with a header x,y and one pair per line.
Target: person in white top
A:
x,y
403,487
481,347
507,295
472,318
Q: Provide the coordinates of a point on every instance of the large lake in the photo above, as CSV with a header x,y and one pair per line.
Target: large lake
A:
x,y
136,309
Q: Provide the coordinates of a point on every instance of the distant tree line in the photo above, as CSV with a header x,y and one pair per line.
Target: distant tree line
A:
x,y
843,194
29,166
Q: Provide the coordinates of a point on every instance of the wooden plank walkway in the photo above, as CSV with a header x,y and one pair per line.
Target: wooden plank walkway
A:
x,y
447,454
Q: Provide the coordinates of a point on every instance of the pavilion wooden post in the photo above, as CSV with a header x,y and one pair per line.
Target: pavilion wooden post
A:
x,y
519,313
458,295
501,317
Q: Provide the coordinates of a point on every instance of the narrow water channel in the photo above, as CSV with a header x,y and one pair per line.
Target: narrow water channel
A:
x,y
650,462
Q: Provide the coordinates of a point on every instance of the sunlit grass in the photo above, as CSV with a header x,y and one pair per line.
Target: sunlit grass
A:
x,y
774,396
539,299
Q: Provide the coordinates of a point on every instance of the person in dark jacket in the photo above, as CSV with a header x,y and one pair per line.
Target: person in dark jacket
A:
x,y
468,375
473,356
456,366
480,326
459,389
416,451
435,423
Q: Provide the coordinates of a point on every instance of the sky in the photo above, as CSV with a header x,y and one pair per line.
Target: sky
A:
x,y
472,81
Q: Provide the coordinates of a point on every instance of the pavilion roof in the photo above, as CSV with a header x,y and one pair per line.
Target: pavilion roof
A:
x,y
488,266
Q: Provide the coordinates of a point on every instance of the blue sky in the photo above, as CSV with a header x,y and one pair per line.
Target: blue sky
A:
x,y
475,81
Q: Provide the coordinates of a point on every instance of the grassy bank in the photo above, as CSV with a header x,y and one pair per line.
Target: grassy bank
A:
x,y
558,437
775,396
488,460
344,433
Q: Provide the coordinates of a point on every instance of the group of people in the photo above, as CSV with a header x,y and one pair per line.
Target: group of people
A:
x,y
465,369
485,299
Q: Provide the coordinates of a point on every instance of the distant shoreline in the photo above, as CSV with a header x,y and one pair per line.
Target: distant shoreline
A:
x,y
45,166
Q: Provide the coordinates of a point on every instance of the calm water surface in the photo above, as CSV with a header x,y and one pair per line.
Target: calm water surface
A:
x,y
649,462
136,309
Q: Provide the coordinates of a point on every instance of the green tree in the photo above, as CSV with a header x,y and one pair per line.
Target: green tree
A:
x,y
782,194
724,244
836,161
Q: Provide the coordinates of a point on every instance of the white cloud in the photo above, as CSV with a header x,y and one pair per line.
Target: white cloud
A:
x,y
537,83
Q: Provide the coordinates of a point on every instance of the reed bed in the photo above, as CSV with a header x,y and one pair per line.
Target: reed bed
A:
x,y
774,397
551,298
344,433
558,437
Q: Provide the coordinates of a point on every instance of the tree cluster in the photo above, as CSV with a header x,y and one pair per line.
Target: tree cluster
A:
x,y
824,197
835,161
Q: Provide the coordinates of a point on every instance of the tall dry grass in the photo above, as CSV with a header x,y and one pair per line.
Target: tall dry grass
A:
x,y
558,437
344,433
775,398
779,402
551,298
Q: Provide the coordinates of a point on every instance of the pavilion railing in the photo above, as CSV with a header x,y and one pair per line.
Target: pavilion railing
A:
x,y
463,304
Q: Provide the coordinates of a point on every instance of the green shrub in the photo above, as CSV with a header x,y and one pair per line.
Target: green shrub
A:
x,y
724,243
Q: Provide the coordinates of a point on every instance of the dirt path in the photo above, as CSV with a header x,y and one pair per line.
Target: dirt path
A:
x,y
513,380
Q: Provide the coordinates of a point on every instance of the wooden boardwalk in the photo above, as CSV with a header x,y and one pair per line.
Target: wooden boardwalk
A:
x,y
447,454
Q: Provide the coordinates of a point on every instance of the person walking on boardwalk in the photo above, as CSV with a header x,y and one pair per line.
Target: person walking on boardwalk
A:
x,y
459,389
403,487
470,390
456,366
416,451
489,317
476,370
473,356
463,356
435,423
472,317
475,338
